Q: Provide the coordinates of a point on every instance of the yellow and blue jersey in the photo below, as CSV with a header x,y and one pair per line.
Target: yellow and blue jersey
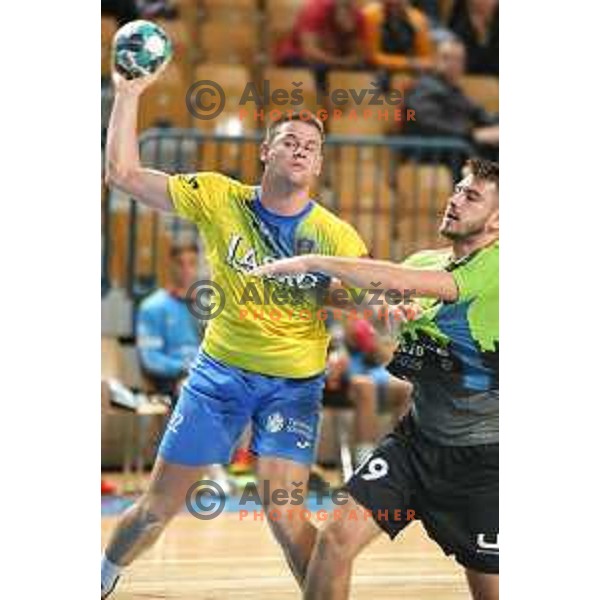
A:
x,y
239,233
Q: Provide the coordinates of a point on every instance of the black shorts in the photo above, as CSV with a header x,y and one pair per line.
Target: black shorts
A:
x,y
452,490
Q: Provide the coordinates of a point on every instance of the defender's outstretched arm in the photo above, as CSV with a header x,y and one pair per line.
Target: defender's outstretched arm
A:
x,y
369,273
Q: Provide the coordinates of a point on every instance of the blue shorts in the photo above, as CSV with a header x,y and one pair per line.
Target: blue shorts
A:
x,y
358,366
217,402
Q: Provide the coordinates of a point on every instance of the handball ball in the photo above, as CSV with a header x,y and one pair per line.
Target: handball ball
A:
x,y
140,48
365,338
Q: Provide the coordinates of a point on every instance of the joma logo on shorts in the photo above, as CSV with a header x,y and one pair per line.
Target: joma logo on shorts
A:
x,y
486,546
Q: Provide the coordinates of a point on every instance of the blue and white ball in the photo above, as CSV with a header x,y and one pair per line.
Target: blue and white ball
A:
x,y
140,48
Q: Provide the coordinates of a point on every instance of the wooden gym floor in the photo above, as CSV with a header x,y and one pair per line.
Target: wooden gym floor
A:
x,y
229,559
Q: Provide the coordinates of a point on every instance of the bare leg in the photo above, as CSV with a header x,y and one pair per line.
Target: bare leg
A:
x,y
296,536
398,395
338,543
142,524
483,586
363,392
246,438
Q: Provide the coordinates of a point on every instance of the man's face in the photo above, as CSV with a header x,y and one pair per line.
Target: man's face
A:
x,y
184,269
344,15
473,209
450,61
294,153
483,5
396,6
344,4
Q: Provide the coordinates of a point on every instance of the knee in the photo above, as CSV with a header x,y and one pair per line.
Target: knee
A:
x,y
334,544
400,387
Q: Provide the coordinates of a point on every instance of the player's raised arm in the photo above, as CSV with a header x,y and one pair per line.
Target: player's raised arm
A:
x,y
123,167
368,273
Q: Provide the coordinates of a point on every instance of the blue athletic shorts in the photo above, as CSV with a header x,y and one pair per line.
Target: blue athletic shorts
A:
x,y
216,403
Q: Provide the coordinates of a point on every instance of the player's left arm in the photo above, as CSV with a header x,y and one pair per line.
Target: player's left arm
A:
x,y
368,273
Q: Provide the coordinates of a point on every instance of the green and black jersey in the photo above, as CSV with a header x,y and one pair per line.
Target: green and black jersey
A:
x,y
451,352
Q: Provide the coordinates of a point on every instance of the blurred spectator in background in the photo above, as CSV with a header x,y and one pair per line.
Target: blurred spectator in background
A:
x,y
397,36
327,34
370,385
129,10
475,22
157,9
442,109
167,332
436,17
122,10
430,7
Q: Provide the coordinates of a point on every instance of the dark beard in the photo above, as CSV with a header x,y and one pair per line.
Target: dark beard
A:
x,y
456,236
453,236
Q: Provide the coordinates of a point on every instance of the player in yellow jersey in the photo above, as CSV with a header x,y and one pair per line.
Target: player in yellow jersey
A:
x,y
266,369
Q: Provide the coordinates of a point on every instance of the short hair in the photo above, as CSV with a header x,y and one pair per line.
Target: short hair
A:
x,y
177,251
306,116
484,169
449,38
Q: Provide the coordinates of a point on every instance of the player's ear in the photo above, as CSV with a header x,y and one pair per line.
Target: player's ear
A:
x,y
494,220
264,152
319,164
493,223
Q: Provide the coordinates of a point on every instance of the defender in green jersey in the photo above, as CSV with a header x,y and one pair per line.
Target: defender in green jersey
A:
x,y
440,465
451,352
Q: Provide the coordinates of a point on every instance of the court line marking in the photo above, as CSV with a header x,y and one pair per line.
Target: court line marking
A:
x,y
202,583
247,559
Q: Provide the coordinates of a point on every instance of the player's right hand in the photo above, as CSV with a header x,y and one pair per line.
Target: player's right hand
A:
x,y
135,86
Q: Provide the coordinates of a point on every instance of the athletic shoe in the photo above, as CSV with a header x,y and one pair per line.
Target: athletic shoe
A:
x,y
242,462
109,592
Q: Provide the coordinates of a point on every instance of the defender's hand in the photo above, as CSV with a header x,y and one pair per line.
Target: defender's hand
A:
x,y
291,266
402,313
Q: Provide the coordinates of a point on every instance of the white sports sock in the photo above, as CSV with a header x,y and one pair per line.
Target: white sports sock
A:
x,y
109,572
